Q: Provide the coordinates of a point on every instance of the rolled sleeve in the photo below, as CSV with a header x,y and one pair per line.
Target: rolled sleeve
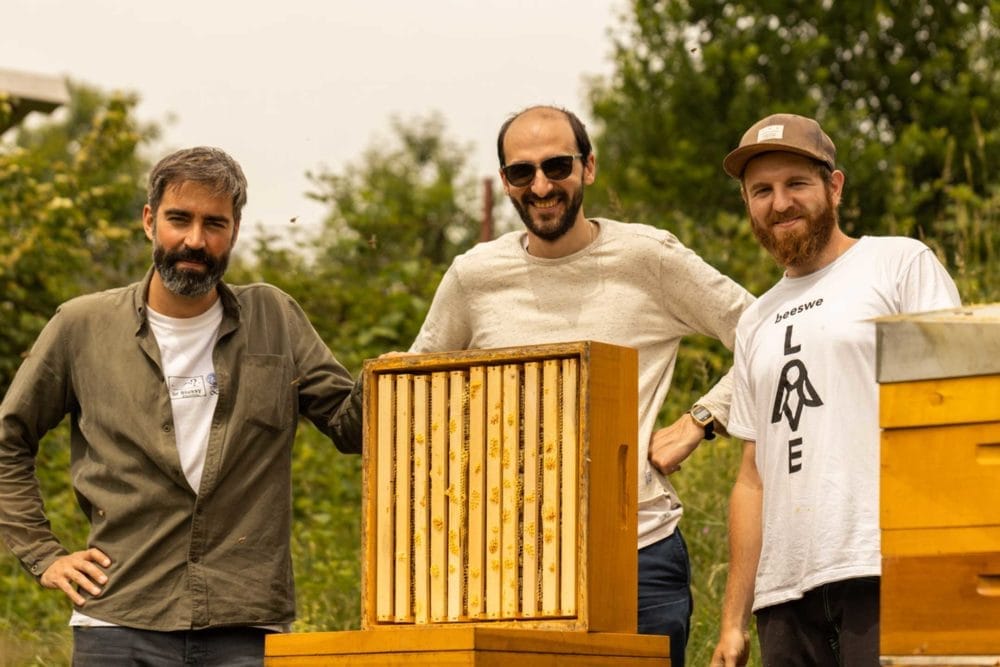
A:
x,y
36,402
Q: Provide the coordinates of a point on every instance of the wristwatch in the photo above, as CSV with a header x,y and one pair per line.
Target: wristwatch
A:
x,y
703,418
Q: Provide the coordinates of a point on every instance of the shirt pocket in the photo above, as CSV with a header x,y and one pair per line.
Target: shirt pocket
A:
x,y
265,391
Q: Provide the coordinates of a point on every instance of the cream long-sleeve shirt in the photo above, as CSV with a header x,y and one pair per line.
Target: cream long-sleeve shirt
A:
x,y
634,285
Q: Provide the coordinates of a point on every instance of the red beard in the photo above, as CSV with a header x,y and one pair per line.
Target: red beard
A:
x,y
793,247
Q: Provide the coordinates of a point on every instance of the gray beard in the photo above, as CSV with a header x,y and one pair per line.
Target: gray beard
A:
x,y
188,283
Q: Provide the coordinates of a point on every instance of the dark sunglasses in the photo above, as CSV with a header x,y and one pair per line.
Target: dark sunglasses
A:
x,y
555,168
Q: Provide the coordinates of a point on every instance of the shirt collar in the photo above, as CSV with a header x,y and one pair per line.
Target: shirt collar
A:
x,y
230,304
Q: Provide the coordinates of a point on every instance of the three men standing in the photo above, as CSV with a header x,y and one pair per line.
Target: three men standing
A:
x,y
184,395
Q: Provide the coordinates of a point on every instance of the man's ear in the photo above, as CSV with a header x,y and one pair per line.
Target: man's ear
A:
x,y
837,179
503,182
148,221
590,169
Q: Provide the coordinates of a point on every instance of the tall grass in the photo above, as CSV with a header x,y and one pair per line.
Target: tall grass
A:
x,y
704,483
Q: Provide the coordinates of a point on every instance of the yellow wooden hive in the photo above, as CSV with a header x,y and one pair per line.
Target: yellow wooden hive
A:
x,y
499,514
500,488
939,377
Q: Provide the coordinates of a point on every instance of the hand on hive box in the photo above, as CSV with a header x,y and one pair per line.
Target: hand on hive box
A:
x,y
393,353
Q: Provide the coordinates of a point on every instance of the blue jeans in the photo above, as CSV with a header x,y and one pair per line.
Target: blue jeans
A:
x,y
128,647
665,602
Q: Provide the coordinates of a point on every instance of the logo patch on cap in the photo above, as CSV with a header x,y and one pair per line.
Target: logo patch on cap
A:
x,y
771,132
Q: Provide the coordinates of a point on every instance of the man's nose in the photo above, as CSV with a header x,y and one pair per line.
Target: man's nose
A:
x,y
540,184
782,200
195,237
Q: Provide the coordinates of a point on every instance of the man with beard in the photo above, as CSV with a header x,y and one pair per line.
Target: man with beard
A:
x,y
567,278
184,395
803,517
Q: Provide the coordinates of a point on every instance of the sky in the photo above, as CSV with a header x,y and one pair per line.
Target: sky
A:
x,y
307,85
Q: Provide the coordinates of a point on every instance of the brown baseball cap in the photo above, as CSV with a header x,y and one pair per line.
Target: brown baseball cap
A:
x,y
785,132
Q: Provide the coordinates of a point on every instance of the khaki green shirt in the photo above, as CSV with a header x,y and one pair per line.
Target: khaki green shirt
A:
x,y
180,558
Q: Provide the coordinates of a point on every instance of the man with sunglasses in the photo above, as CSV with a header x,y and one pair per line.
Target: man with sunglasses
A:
x,y
566,278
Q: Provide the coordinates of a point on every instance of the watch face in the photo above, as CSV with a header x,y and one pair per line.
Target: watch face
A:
x,y
701,414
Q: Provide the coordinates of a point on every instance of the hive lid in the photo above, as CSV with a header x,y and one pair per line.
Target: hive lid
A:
x,y
956,342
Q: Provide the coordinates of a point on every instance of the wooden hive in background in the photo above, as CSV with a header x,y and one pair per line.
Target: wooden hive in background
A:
x,y
940,487
500,488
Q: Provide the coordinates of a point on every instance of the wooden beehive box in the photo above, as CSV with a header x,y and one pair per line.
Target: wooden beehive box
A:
x,y
465,645
939,377
500,488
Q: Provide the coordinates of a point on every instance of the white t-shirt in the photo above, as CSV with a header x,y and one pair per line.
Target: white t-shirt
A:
x,y
805,392
634,285
186,346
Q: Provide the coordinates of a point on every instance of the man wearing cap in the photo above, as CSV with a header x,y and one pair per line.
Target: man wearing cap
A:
x,y
803,516
567,277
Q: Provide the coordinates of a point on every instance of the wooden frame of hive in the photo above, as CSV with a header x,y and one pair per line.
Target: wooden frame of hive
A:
x,y
500,488
939,410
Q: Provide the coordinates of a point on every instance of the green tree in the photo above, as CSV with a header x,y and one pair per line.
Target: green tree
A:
x,y
70,195
397,218
908,90
6,109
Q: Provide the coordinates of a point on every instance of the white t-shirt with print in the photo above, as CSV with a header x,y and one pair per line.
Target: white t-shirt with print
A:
x,y
186,346
805,392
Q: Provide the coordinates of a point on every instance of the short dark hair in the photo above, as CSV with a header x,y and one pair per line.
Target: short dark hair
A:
x,y
211,167
824,172
820,168
583,145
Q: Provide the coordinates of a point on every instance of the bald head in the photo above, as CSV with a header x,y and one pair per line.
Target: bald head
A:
x,y
539,115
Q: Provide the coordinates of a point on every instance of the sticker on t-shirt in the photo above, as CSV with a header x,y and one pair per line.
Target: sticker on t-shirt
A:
x,y
188,387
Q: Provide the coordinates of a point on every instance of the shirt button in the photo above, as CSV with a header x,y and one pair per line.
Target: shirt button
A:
x,y
195,558
100,513
166,428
